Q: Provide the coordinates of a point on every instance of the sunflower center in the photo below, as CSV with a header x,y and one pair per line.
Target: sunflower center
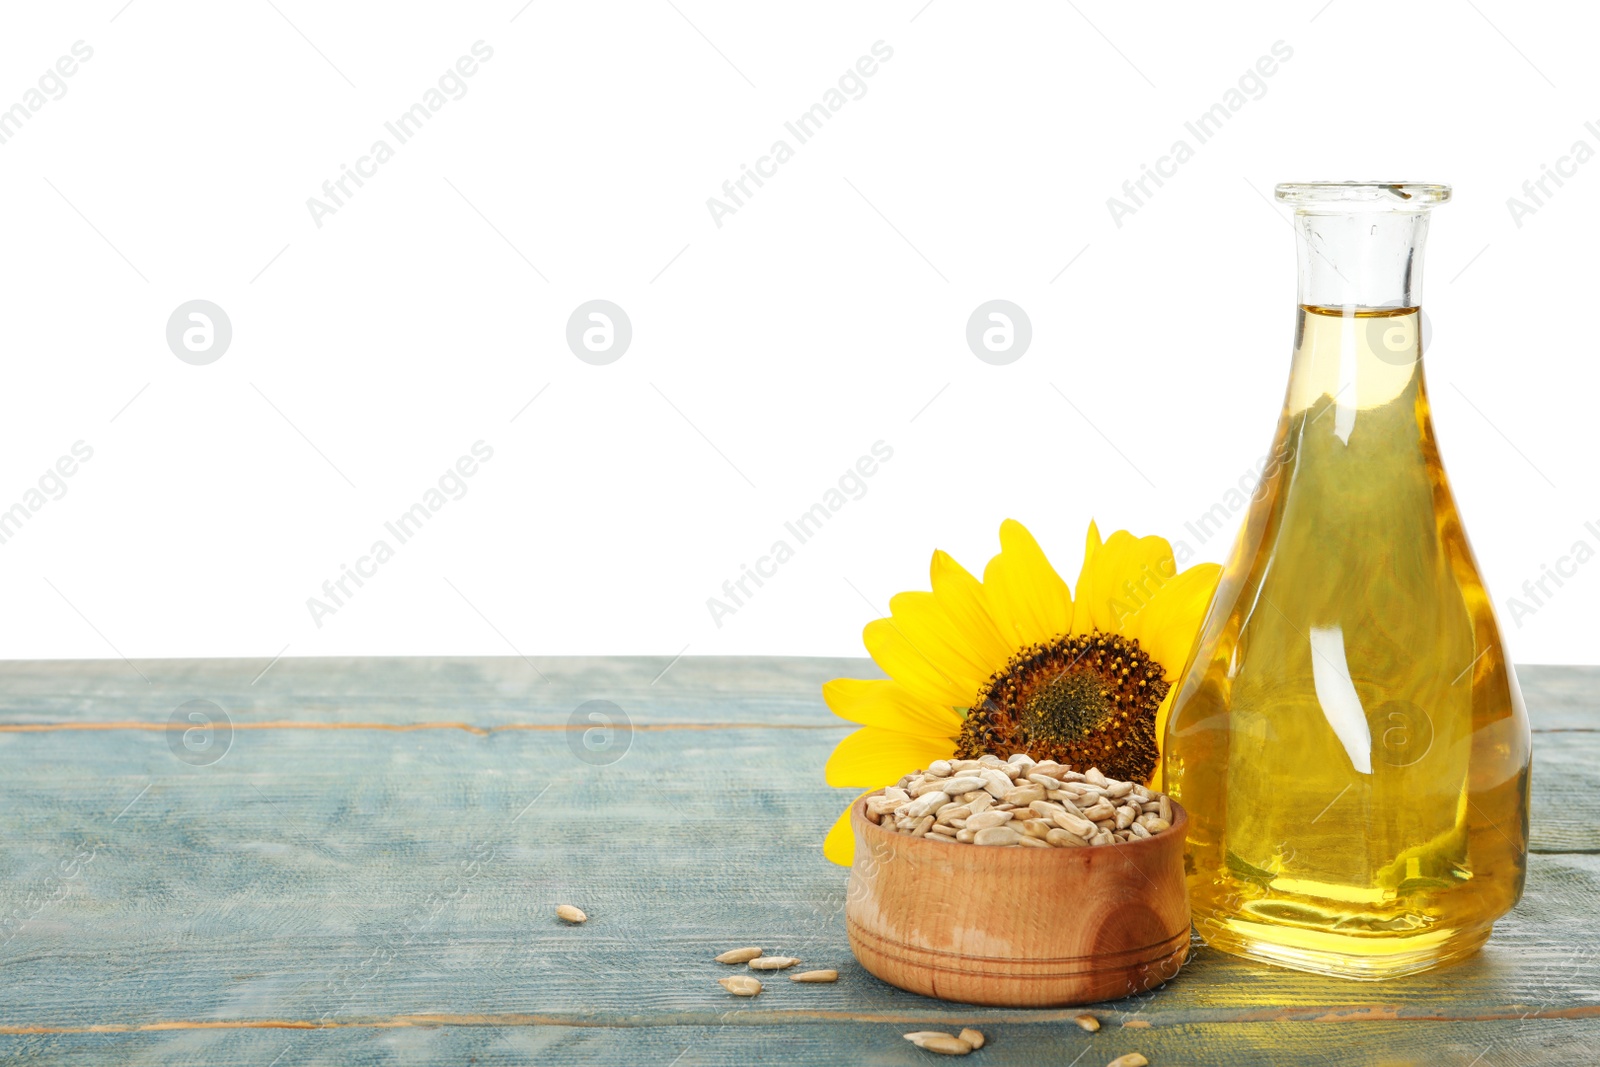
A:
x,y
1083,700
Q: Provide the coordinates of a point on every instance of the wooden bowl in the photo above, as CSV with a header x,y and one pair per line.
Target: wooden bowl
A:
x,y
1018,927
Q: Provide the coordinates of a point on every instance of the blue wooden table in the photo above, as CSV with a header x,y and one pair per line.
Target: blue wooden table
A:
x,y
358,861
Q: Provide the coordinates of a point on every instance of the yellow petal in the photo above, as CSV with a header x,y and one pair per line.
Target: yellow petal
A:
x,y
910,665
1126,573
840,844
887,704
961,598
940,640
1026,596
874,757
1081,623
1170,623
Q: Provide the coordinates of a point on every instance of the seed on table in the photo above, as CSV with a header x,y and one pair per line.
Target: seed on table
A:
x,y
1132,1059
815,976
773,963
741,985
571,914
739,955
972,1037
917,1037
946,1045
1088,1022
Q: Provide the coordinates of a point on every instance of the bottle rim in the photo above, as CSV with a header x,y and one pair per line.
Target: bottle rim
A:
x,y
1362,196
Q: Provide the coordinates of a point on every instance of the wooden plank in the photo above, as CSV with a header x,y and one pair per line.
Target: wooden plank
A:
x,y
742,1038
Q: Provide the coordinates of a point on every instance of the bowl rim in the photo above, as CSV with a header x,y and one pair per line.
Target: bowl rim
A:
x,y
1178,831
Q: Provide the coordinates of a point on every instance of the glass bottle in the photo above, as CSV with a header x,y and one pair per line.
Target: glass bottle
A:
x,y
1348,737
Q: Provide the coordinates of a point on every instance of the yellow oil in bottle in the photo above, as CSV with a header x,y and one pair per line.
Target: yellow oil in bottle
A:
x,y
1349,739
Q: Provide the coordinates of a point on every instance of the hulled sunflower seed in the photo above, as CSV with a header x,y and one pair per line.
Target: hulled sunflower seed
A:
x,y
972,1037
917,1037
1132,1059
815,976
571,914
739,955
741,985
1088,1022
773,963
1016,801
946,1045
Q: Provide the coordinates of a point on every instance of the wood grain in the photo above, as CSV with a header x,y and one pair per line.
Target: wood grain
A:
x,y
403,884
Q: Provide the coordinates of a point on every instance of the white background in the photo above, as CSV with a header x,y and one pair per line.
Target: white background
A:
x,y
768,354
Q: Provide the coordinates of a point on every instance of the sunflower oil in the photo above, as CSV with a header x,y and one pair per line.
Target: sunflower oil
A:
x,y
1349,738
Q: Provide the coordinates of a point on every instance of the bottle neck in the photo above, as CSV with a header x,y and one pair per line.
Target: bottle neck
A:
x,y
1360,259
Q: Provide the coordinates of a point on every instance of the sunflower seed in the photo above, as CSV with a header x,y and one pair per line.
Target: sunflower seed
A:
x,y
1024,794
1002,812
1076,824
1132,1059
995,782
1099,810
571,914
1036,828
949,1046
917,1037
741,985
940,767
739,955
882,805
1088,1022
969,1035
815,976
773,963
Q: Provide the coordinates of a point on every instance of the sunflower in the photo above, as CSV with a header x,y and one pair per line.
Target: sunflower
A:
x,y
1017,663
